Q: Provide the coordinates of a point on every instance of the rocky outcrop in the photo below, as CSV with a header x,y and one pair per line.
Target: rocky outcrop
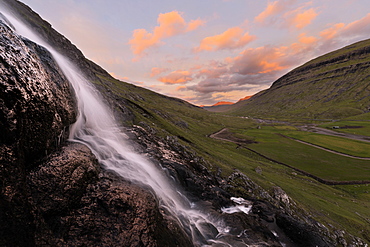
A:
x,y
35,107
79,204
36,99
54,193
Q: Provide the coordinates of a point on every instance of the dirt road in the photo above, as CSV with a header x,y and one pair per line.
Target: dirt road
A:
x,y
318,130
326,149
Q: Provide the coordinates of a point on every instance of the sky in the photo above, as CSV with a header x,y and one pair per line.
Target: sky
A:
x,y
205,51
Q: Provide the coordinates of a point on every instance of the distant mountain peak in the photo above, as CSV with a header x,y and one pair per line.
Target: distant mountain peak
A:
x,y
223,103
245,98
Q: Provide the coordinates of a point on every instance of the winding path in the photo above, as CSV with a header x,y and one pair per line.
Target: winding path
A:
x,y
326,149
318,130
217,134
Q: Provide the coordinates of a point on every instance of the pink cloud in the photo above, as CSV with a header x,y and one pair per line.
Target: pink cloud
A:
x,y
352,30
283,14
176,77
157,71
272,9
232,38
302,19
358,27
331,32
307,39
170,24
256,69
194,24
180,88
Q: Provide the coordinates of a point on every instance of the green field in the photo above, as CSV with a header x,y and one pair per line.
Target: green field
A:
x,y
339,144
352,127
315,161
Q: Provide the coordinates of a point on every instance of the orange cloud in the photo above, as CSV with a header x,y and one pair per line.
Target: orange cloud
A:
x,y
194,24
359,26
281,13
170,24
353,29
176,77
273,8
156,71
302,19
181,88
268,67
260,60
307,40
332,31
232,38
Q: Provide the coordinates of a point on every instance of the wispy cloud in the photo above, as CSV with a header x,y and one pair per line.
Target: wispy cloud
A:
x,y
157,71
304,39
232,38
170,24
176,77
332,31
300,18
285,14
273,9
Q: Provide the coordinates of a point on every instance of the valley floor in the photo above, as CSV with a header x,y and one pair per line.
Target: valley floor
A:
x,y
318,130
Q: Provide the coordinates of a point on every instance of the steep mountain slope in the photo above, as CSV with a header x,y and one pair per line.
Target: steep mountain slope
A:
x,y
335,85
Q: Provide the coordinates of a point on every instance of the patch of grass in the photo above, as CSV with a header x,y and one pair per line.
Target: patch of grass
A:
x,y
339,144
351,127
361,117
315,161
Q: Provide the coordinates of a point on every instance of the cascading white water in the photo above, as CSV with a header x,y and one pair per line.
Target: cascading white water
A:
x,y
96,128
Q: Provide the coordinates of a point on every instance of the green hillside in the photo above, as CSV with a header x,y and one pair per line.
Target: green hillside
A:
x,y
335,85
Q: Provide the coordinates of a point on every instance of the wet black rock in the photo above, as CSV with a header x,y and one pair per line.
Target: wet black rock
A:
x,y
54,193
36,105
36,101
80,204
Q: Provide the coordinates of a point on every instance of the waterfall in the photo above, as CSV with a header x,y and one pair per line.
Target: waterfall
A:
x,y
97,128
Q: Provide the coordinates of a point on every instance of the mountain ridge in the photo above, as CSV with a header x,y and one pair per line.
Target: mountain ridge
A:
x,y
334,85
222,105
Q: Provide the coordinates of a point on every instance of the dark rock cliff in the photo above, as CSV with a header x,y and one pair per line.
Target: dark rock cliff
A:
x,y
53,193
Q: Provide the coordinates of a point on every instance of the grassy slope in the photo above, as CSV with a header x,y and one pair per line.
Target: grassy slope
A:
x,y
363,127
328,204
339,144
335,85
